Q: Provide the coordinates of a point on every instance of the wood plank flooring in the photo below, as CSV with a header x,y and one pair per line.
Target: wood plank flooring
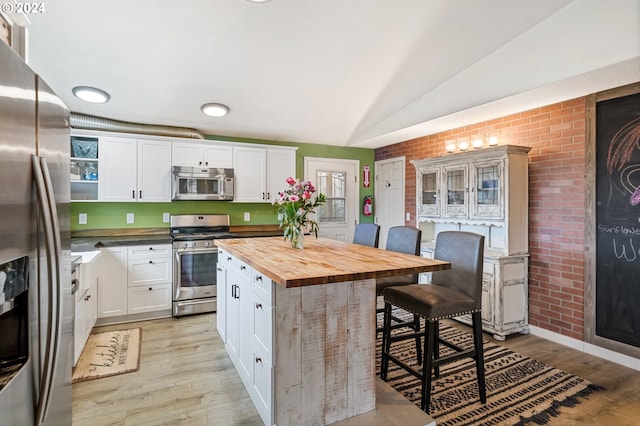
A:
x,y
186,378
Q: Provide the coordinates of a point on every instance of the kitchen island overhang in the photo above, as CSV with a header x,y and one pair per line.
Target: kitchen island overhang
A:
x,y
322,329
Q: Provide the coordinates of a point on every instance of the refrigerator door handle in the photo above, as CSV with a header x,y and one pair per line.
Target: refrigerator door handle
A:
x,y
53,246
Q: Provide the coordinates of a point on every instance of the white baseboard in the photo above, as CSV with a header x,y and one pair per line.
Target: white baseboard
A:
x,y
588,348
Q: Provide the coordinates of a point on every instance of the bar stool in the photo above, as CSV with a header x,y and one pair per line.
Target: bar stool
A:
x,y
451,293
367,234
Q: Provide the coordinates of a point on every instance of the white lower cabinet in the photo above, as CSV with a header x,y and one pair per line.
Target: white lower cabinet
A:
x,y
86,313
112,283
135,280
248,331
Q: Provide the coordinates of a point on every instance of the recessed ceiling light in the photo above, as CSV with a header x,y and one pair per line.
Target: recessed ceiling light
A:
x,y
91,94
215,110
258,1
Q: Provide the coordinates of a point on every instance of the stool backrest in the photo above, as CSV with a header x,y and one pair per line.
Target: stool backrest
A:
x,y
465,251
367,234
405,239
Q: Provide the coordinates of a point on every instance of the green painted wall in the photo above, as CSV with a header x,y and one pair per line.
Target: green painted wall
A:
x,y
149,215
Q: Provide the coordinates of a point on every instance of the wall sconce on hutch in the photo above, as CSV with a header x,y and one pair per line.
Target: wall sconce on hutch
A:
x,y
463,146
493,141
477,143
450,146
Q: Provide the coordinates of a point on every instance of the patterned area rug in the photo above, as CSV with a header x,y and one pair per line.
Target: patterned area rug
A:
x,y
520,390
108,354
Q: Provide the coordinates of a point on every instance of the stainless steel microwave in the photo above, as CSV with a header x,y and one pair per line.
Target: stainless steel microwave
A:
x,y
201,183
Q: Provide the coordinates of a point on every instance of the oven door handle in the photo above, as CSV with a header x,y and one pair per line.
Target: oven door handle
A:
x,y
196,250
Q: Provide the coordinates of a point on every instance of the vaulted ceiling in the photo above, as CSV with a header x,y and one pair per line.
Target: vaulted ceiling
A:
x,y
361,73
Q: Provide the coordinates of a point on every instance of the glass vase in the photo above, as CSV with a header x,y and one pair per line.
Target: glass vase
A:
x,y
295,234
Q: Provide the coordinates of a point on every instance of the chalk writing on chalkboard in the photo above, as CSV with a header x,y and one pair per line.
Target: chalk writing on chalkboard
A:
x,y
618,219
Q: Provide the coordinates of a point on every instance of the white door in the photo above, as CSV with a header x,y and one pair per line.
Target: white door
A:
x,y
389,195
338,180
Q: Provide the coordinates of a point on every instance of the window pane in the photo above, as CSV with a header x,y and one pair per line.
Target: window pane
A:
x,y
455,187
333,185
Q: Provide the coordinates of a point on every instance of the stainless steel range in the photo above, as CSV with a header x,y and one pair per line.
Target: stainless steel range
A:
x,y
195,260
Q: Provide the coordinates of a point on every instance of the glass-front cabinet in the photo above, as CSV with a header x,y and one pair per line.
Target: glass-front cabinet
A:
x,y
486,190
456,203
429,194
483,191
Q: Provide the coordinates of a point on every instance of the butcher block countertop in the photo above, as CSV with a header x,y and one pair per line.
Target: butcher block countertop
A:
x,y
323,261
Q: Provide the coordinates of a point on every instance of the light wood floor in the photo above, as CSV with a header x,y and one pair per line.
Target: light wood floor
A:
x,y
186,378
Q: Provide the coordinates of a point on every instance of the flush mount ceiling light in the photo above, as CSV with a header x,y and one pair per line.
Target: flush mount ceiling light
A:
x,y
215,110
90,94
258,1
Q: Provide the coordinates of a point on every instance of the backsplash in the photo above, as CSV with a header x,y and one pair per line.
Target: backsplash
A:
x,y
150,215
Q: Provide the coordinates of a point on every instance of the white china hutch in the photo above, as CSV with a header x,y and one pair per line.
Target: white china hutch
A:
x,y
483,191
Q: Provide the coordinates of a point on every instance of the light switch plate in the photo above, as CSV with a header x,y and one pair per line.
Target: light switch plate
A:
x,y
130,218
165,217
408,217
82,218
247,216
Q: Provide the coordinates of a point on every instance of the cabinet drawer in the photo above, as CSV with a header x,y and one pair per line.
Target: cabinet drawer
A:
x,y
263,287
262,329
149,298
147,251
149,271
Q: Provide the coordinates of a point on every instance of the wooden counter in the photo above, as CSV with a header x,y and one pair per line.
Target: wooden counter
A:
x,y
324,261
303,342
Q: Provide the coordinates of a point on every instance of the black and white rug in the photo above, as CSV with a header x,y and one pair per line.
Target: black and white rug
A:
x,y
520,390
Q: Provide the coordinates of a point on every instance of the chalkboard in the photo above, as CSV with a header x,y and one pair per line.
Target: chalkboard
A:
x,y
617,292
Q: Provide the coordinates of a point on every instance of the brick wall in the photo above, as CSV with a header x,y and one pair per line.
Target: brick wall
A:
x,y
556,135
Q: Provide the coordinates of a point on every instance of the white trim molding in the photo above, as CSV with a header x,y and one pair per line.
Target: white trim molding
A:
x,y
587,348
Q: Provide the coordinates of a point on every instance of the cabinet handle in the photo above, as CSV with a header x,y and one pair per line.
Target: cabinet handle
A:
x,y
233,291
206,163
141,195
150,248
133,194
87,298
268,195
229,259
151,261
258,360
219,269
199,163
258,277
258,305
243,268
150,288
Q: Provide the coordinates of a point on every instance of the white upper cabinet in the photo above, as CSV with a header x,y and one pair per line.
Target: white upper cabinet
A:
x,y
134,170
202,154
261,172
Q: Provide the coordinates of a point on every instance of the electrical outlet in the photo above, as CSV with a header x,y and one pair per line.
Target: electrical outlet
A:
x,y
82,218
247,216
165,217
130,218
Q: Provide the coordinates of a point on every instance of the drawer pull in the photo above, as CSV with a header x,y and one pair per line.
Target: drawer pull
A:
x,y
258,277
150,288
243,268
258,305
258,360
229,258
151,261
87,298
150,248
219,269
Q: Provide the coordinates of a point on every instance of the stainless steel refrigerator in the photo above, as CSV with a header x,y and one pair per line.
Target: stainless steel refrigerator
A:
x,y
35,290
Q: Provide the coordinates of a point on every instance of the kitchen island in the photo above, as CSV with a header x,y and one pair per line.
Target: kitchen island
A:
x,y
300,325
